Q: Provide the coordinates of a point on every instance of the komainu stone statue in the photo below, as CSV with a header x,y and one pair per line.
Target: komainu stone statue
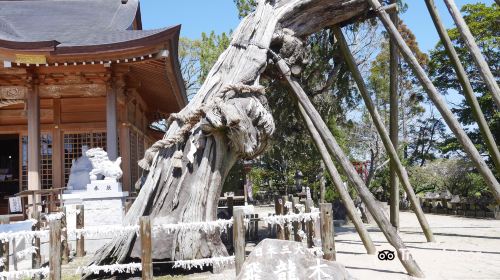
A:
x,y
102,165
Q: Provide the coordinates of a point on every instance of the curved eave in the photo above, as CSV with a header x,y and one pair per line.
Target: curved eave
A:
x,y
54,50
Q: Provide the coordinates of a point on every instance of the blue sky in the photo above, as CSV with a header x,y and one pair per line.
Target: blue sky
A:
x,y
197,16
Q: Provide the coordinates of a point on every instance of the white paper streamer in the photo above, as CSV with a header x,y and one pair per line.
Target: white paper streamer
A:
x,y
22,274
282,219
200,263
26,252
103,231
120,268
207,227
54,217
26,234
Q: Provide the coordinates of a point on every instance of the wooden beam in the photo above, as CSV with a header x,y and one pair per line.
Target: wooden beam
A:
x,y
470,43
333,147
394,121
338,184
377,120
465,83
438,101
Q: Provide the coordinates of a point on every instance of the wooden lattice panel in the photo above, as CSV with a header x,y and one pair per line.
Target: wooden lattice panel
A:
x,y
45,161
73,143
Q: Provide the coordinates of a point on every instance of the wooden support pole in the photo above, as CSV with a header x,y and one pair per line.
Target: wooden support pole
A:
x,y
230,208
327,231
309,225
322,183
339,185
36,258
438,101
470,43
80,223
296,236
390,233
466,85
285,212
64,239
377,120
55,249
394,122
146,248
239,237
279,209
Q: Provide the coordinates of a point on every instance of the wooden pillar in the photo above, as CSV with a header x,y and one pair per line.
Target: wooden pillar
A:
x,y
36,257
33,107
327,231
125,154
111,121
470,43
57,148
333,147
394,122
146,248
239,237
339,185
285,212
466,85
55,250
322,183
377,121
64,238
438,101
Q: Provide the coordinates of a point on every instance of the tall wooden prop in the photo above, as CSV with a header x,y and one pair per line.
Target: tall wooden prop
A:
x,y
438,101
377,120
327,231
339,185
333,147
146,248
55,250
394,122
466,85
239,237
470,43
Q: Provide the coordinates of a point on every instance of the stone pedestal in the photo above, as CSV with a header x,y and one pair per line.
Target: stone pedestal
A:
x,y
103,201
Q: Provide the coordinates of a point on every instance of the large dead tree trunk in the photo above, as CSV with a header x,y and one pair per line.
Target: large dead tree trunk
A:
x,y
228,119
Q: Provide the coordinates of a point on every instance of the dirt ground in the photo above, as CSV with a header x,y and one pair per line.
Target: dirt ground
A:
x,y
466,248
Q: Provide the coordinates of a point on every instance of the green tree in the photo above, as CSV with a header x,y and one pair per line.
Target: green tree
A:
x,y
483,23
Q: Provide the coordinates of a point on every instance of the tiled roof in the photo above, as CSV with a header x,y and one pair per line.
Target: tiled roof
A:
x,y
70,22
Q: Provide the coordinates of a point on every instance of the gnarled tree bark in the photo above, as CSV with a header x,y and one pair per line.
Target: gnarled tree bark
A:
x,y
228,119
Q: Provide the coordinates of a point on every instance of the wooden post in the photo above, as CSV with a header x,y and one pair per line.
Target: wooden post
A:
x,y
394,122
55,250
146,248
309,225
285,212
339,185
322,183
239,237
36,259
256,228
33,108
390,233
327,231
4,253
438,101
391,151
296,236
111,123
64,235
470,43
279,209
80,222
466,85
230,206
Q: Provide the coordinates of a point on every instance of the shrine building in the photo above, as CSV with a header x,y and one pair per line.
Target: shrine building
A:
x,y
79,73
